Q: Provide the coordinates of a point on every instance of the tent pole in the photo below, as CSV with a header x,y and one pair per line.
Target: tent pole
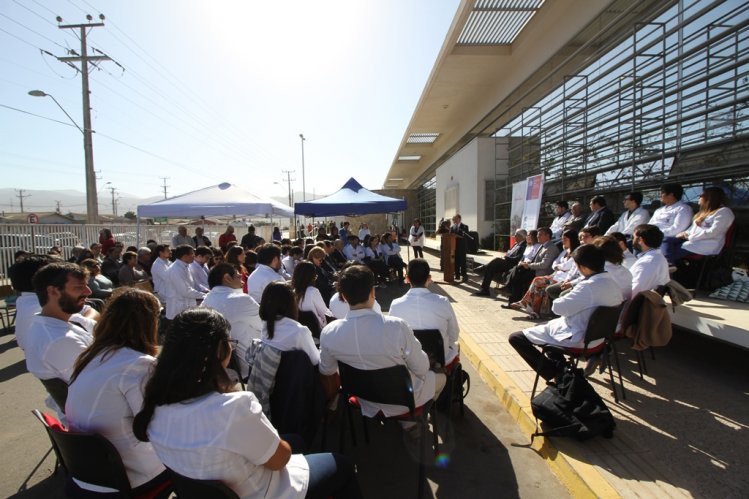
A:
x,y
137,232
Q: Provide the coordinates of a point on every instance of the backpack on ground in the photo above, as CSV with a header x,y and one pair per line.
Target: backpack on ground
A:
x,y
572,408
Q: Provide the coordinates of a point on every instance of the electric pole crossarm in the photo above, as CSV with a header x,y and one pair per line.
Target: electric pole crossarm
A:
x,y
86,25
88,58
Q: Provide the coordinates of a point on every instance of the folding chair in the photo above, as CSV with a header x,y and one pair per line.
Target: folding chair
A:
x,y
433,345
601,326
309,319
706,262
390,385
193,488
93,459
58,390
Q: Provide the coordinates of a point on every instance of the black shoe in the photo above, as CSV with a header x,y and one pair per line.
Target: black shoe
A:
x,y
481,292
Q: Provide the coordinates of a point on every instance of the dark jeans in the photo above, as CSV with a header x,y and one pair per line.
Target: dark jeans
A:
x,y
519,281
494,268
331,475
418,251
460,259
672,250
547,368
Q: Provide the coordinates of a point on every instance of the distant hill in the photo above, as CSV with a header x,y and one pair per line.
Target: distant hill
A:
x,y
70,200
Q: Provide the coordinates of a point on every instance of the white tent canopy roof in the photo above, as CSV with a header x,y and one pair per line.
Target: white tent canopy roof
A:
x,y
221,199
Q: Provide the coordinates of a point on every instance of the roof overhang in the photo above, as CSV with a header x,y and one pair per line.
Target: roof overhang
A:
x,y
476,88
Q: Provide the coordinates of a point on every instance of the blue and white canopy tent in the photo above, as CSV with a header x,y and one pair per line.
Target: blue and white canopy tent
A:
x,y
351,199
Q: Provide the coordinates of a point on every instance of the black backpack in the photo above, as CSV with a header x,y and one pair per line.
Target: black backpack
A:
x,y
572,408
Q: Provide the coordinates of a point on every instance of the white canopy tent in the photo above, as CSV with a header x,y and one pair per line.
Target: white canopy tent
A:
x,y
221,199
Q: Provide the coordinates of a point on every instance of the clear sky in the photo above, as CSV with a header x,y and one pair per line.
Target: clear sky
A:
x,y
215,91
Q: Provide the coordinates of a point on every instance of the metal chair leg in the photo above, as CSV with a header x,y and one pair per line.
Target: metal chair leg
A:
x,y
618,369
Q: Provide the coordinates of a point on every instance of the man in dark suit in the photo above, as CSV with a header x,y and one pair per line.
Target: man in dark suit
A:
x,y
461,230
522,275
577,220
500,265
600,215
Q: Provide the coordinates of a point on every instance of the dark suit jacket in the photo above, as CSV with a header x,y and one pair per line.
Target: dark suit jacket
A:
x,y
516,252
603,219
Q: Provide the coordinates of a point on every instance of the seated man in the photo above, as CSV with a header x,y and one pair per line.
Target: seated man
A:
x,y
575,308
674,215
600,215
53,343
563,215
650,270
266,271
354,251
633,215
181,290
182,237
577,220
501,265
422,309
522,275
365,339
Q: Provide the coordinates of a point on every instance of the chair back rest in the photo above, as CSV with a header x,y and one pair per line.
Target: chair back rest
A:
x,y
602,324
88,457
309,319
389,385
48,421
58,390
433,345
193,488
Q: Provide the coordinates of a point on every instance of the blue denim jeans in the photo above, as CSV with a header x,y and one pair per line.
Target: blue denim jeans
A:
x,y
331,475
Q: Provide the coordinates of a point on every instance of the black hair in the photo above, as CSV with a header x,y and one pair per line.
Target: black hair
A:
x,y
24,270
635,196
652,235
203,251
267,253
546,231
217,273
182,250
620,238
356,283
572,235
418,272
590,256
295,251
55,274
592,231
612,252
189,365
599,200
673,188
276,303
129,255
563,204
304,277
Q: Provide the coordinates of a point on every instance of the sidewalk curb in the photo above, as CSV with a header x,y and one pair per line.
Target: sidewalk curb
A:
x,y
581,479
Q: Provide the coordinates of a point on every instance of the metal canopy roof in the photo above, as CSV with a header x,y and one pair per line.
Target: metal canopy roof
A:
x,y
498,57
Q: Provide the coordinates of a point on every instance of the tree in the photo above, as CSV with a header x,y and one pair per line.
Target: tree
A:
x,y
130,215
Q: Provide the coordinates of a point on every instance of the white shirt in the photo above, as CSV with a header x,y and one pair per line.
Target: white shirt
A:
x,y
629,259
179,239
564,267
627,223
288,263
313,302
52,347
357,254
529,253
181,291
557,225
27,306
105,398
363,233
340,308
422,309
416,235
260,278
575,309
199,273
649,271
673,218
709,237
622,276
288,334
365,339
242,313
226,437
158,273
388,251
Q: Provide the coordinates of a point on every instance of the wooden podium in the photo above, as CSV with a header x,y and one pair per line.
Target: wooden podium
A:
x,y
447,256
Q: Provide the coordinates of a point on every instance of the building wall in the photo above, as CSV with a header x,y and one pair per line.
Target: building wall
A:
x,y
465,175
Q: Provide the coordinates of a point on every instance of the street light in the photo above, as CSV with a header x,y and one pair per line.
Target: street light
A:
x,y
92,204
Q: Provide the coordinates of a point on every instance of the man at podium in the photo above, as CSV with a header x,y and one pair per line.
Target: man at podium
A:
x,y
461,230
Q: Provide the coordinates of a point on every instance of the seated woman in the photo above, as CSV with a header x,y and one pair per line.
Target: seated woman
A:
x,y
235,256
707,234
101,286
614,256
536,302
373,257
189,392
130,274
105,390
278,311
325,282
391,252
308,297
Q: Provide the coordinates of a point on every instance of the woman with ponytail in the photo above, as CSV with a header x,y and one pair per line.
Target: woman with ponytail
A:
x,y
106,385
202,428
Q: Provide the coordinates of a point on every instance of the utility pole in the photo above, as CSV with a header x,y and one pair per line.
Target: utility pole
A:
x,y
304,187
289,180
58,206
92,206
21,195
114,201
164,179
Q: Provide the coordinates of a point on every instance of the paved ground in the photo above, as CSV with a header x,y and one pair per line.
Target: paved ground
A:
x,y
479,459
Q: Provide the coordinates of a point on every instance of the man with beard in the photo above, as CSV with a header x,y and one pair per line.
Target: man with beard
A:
x,y
650,270
53,344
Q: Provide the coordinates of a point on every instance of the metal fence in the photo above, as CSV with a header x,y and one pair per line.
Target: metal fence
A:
x,y
40,238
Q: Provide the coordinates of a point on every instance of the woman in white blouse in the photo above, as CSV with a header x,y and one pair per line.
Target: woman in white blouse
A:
x,y
707,234
614,256
105,390
391,251
416,238
278,311
201,428
307,296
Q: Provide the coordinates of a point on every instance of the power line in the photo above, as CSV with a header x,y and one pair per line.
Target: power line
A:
x,y
36,115
33,31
